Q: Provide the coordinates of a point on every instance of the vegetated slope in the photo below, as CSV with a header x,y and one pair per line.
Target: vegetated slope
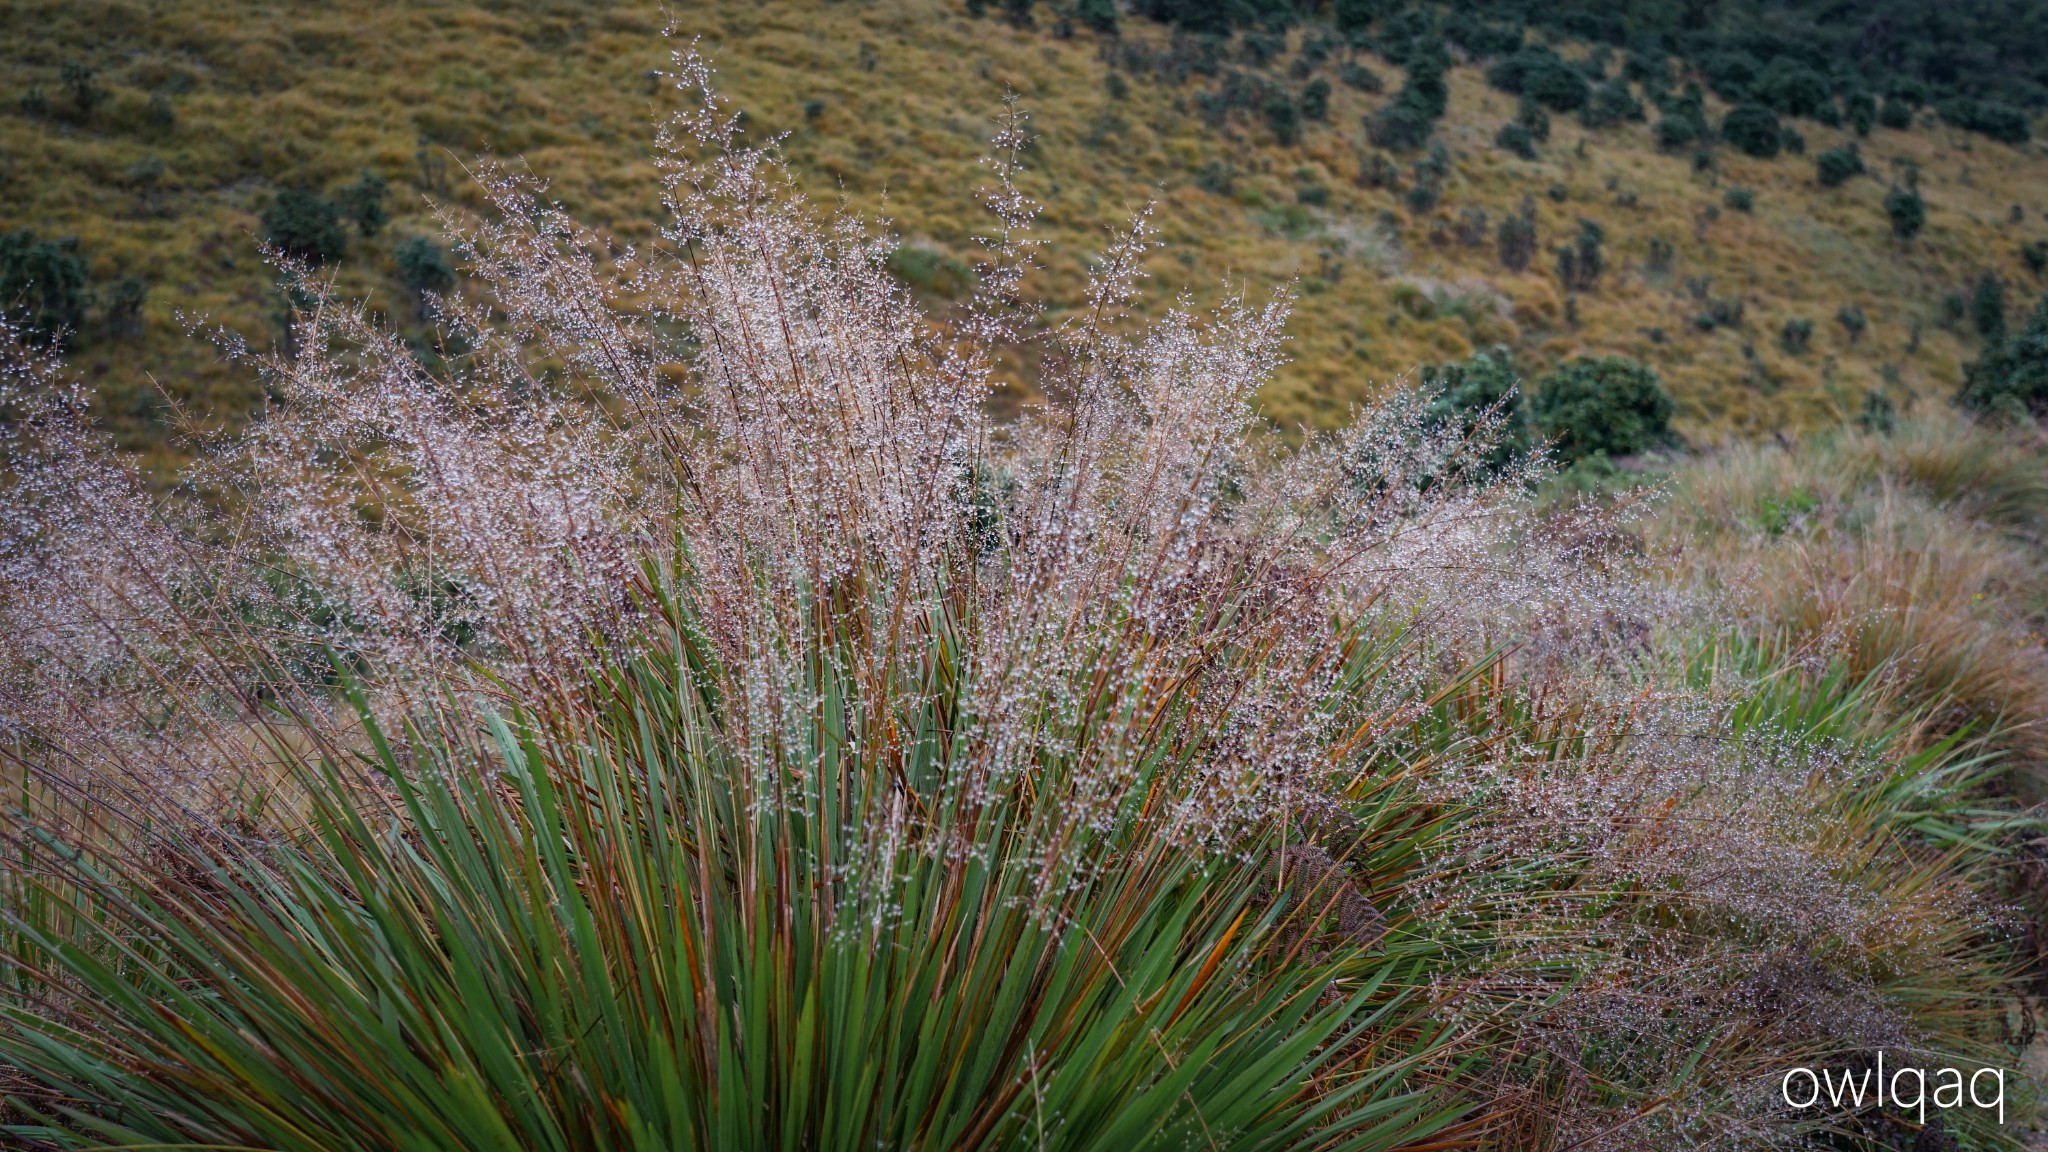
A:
x,y
163,160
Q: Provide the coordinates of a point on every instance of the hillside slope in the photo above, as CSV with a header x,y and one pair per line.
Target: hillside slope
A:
x,y
204,112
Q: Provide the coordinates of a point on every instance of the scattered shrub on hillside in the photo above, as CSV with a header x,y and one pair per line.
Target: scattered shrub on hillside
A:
x,y
1987,307
1515,241
1836,166
1660,254
1907,212
1852,320
1998,121
1402,126
1378,170
1604,406
1580,263
304,225
1793,89
1796,335
1097,15
2013,369
1731,73
43,287
159,113
1612,104
1721,312
1481,399
2035,255
81,85
423,266
1862,108
35,103
1739,199
1514,137
1356,75
1675,133
1283,116
123,316
1315,100
1895,114
363,203
1754,129
1538,73
1471,228
1879,415
1792,141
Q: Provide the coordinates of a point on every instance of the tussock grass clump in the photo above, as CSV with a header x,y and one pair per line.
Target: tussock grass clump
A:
x,y
673,713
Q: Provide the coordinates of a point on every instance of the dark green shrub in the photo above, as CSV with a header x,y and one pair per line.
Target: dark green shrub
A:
x,y
1099,15
1908,212
1754,129
124,308
1484,387
1580,263
1954,306
1482,39
1731,73
1612,103
1515,138
1315,100
363,202
1852,320
2035,253
86,95
1529,114
1836,166
1358,15
1793,89
1987,307
1401,126
1895,114
1998,121
305,226
1675,133
1605,406
43,288
1791,141
1379,171
1283,116
930,271
1795,335
2012,369
423,266
1862,108
1516,239
1362,78
35,103
1739,199
1540,74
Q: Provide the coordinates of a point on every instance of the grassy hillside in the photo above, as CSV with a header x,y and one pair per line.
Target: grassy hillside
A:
x,y
889,103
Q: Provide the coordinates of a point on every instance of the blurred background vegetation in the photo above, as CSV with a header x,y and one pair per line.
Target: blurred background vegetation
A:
x,y
1792,212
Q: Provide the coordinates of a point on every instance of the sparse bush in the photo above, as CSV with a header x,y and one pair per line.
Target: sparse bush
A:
x,y
1675,133
1998,121
1659,258
1472,228
1796,335
1315,100
1895,114
1836,166
1580,264
1987,307
1379,171
1401,126
125,298
1606,406
1907,211
2035,254
1754,129
1739,199
363,203
1792,141
1283,116
1852,320
1516,239
1356,75
1793,89
1862,108
1515,138
43,287
423,266
1612,103
1481,398
81,85
35,103
2013,370
1536,72
1097,15
304,225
